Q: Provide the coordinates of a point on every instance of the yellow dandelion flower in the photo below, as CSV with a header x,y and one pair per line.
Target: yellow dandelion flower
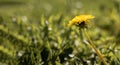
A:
x,y
80,20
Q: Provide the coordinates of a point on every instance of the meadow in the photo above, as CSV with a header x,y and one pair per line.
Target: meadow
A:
x,y
36,32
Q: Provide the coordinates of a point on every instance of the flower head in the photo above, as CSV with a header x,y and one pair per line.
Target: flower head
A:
x,y
80,20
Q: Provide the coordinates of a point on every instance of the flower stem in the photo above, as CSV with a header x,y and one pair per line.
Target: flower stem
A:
x,y
94,47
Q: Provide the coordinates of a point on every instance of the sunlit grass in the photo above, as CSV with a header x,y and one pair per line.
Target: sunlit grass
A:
x,y
40,36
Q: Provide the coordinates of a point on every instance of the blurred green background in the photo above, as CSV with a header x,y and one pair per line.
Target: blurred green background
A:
x,y
35,32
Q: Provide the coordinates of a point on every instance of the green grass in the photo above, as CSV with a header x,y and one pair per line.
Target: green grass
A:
x,y
33,34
